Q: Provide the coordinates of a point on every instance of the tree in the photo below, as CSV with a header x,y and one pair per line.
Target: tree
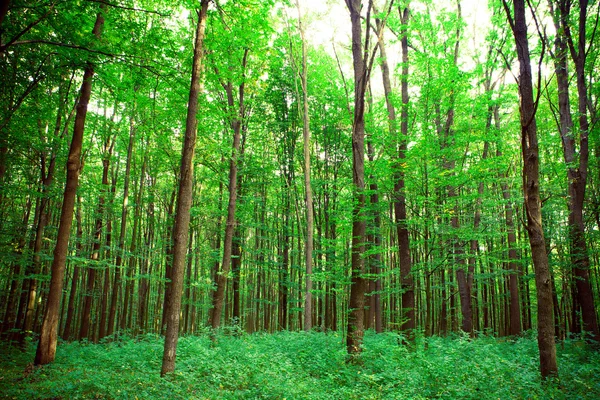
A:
x,y
355,325
308,197
408,295
46,349
576,161
184,199
531,190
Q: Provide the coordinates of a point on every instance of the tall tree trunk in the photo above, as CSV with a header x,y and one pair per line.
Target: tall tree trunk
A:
x,y
75,279
355,327
406,279
577,171
124,212
515,326
531,192
47,179
91,278
11,319
236,126
184,201
106,289
236,261
46,349
308,245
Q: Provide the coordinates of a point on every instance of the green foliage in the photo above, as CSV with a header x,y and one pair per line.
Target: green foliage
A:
x,y
302,365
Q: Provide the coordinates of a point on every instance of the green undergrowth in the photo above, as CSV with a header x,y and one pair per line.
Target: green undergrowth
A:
x,y
301,365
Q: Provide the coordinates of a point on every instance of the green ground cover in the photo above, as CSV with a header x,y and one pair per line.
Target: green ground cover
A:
x,y
301,366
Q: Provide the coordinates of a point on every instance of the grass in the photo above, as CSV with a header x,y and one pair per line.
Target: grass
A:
x,y
301,365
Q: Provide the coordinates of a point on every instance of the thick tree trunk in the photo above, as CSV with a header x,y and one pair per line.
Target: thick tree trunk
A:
x,y
355,328
406,279
531,191
184,201
46,349
577,169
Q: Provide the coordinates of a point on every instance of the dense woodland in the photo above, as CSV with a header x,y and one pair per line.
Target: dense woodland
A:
x,y
181,167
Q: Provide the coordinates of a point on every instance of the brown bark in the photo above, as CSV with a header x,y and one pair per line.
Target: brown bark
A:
x,y
11,319
184,201
46,349
106,288
236,260
75,279
355,327
95,256
236,126
144,285
4,6
531,192
515,327
124,212
406,279
577,169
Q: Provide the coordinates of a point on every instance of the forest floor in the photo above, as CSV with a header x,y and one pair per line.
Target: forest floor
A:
x,y
301,365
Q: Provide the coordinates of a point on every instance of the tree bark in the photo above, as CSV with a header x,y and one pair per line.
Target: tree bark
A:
x,y
531,192
46,349
406,279
184,201
515,326
124,212
308,198
236,126
355,327
91,278
75,279
577,169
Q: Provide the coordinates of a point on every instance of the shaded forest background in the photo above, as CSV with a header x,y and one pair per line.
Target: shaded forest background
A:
x,y
449,155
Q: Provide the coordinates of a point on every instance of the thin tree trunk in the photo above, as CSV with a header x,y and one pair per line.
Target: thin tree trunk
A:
x,y
308,245
46,349
186,180
124,212
107,281
515,326
91,278
236,125
75,279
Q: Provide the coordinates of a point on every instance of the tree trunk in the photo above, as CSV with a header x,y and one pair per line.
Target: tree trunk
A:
x,y
75,279
91,278
308,245
236,125
355,327
515,326
124,211
184,201
577,171
531,191
406,279
46,349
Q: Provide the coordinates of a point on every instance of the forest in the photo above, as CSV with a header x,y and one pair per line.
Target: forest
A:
x,y
299,199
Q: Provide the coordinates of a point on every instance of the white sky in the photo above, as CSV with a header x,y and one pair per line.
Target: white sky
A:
x,y
328,21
